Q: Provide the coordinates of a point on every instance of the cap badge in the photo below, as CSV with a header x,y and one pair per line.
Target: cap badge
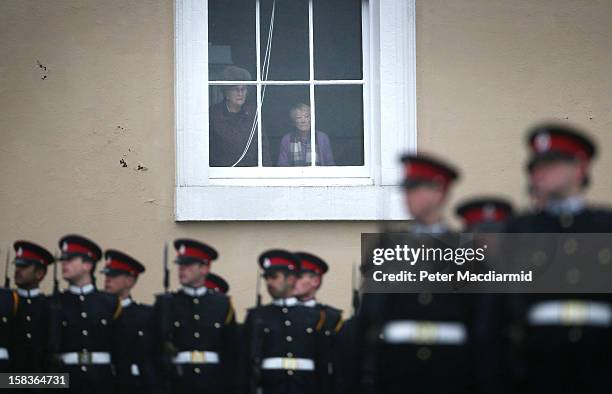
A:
x,y
542,142
267,263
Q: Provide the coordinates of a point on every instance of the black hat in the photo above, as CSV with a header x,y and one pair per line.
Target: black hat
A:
x,y
311,263
27,253
421,169
118,263
78,246
552,142
216,283
279,260
484,210
190,251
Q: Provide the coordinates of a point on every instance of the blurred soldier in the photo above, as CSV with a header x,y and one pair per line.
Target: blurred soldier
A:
x,y
216,283
133,356
31,321
423,343
312,269
82,320
8,307
197,327
284,344
563,336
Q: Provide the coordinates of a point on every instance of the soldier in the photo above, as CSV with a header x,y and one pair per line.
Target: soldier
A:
x,y
8,307
216,283
82,320
31,323
485,214
133,356
197,327
562,336
283,340
423,343
312,269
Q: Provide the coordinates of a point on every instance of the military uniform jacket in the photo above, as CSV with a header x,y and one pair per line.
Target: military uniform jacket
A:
x,y
566,354
199,341
30,333
8,307
285,349
81,328
134,349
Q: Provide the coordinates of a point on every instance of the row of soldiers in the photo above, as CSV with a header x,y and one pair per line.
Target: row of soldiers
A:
x,y
189,340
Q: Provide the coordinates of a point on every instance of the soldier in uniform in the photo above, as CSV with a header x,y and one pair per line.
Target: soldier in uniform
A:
x,y
422,343
284,344
562,337
197,327
216,283
31,323
8,307
82,320
485,214
133,356
312,269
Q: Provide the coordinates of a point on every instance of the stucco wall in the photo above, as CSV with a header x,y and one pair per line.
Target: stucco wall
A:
x,y
85,84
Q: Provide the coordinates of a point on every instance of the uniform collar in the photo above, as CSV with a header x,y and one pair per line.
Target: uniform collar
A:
x,y
194,291
435,228
566,206
28,293
126,302
310,303
290,301
81,290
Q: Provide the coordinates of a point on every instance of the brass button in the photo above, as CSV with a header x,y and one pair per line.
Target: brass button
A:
x,y
65,323
84,315
309,330
287,323
327,333
29,335
29,301
285,310
103,321
289,339
196,334
266,330
289,354
196,370
196,301
28,318
424,353
4,319
82,297
83,368
290,372
177,324
196,317
140,333
217,325
84,332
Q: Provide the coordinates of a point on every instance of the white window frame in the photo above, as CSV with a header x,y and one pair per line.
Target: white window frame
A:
x,y
314,194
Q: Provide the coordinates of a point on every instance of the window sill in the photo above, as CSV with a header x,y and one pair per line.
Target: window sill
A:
x,y
247,203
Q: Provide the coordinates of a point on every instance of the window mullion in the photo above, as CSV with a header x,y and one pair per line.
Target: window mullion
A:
x,y
313,146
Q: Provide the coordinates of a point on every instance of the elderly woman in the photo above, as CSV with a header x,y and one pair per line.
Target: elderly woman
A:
x,y
231,122
295,146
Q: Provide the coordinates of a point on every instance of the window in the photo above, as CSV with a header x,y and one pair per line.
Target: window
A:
x,y
293,110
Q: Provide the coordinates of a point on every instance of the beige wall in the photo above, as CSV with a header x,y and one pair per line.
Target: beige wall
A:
x,y
485,70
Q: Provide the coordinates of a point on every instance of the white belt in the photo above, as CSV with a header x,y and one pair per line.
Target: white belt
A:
x,y
196,357
288,363
73,358
424,332
3,353
570,313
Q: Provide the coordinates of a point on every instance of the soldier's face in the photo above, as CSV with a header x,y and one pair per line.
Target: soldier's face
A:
x,y
192,275
307,285
558,179
118,284
28,276
423,201
279,284
75,268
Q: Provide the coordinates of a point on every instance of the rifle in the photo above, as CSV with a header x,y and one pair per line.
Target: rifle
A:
x,y
55,281
166,270
7,280
355,289
257,289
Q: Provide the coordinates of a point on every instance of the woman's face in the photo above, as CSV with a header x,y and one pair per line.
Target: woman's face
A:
x,y
301,119
236,95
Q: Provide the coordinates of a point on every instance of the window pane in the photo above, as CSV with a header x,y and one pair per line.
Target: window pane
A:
x,y
277,123
231,39
337,39
339,123
232,121
288,55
